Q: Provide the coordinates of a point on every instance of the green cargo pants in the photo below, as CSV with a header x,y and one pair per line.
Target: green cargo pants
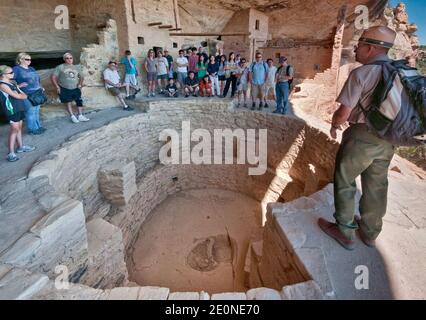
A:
x,y
361,153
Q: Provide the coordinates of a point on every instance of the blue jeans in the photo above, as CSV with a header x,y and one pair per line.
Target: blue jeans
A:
x,y
282,90
32,116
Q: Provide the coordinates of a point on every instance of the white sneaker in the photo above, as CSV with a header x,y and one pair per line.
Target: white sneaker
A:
x,y
82,118
74,119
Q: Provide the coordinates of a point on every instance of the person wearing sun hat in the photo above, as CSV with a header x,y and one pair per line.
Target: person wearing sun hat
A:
x,y
361,152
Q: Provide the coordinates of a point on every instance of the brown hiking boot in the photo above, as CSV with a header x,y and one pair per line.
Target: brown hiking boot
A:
x,y
333,231
368,242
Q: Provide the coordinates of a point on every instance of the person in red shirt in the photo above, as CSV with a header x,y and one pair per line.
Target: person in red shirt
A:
x,y
193,60
206,87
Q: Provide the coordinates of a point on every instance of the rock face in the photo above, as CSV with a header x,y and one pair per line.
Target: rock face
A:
x,y
117,182
106,266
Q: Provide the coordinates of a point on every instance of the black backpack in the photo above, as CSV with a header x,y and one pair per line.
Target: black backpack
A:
x,y
398,110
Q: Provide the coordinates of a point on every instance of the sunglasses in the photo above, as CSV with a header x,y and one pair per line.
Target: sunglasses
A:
x,y
9,72
27,59
69,58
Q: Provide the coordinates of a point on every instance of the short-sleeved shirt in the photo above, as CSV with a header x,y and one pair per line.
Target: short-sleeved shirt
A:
x,y
111,75
68,76
129,69
221,71
232,65
151,64
271,75
182,60
29,76
169,59
202,69
259,71
191,82
357,93
193,60
282,73
171,88
244,75
162,65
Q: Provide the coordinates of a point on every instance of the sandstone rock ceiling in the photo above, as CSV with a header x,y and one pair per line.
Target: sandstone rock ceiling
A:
x,y
297,19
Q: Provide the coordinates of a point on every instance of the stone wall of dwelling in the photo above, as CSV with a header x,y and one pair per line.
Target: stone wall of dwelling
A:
x,y
20,284
88,17
307,60
250,21
29,26
73,224
298,161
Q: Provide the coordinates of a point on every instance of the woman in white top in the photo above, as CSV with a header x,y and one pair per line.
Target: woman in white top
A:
x,y
162,71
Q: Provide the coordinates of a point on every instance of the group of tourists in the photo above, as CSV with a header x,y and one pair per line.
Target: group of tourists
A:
x,y
21,95
194,73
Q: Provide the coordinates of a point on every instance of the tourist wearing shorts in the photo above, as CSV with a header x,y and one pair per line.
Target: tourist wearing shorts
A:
x,y
270,82
151,69
12,105
162,66
242,86
171,90
113,84
258,76
130,78
221,60
68,80
192,85
28,81
182,69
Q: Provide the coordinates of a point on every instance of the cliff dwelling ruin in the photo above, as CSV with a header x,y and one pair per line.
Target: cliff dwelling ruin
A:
x,y
97,201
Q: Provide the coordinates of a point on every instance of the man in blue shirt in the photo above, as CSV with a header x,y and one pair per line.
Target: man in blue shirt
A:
x,y
257,77
130,79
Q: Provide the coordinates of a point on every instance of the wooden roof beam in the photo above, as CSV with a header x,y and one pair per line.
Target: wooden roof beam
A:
x,y
210,34
153,24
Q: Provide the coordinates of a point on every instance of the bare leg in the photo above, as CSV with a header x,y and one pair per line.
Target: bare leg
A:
x,y
19,135
123,103
69,107
127,89
13,133
80,110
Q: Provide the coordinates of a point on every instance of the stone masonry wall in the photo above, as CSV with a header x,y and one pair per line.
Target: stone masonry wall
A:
x,y
30,26
292,148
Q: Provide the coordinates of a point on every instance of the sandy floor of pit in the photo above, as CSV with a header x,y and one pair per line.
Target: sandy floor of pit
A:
x,y
160,256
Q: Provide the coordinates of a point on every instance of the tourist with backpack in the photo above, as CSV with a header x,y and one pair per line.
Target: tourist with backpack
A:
x,y
283,79
258,74
376,107
12,103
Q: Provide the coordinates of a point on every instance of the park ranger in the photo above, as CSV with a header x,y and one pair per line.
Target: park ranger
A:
x,y
361,152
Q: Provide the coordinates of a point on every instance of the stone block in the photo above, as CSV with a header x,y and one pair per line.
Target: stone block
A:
x,y
153,293
308,290
20,284
229,296
184,296
263,294
117,182
59,238
106,268
124,293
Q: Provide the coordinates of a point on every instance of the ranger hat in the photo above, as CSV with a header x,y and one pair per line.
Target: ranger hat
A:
x,y
379,36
